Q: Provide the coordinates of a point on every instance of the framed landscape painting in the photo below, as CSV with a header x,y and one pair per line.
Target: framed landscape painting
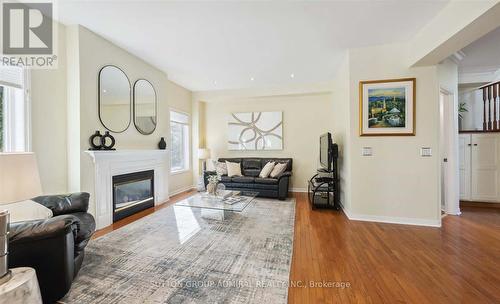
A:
x,y
387,107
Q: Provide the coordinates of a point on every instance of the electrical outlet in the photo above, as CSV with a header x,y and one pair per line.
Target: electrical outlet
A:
x,y
425,152
366,151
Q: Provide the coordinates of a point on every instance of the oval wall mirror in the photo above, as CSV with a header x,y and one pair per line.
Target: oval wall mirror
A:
x,y
144,106
114,99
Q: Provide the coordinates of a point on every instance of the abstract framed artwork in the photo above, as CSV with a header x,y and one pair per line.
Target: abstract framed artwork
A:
x,y
387,107
255,131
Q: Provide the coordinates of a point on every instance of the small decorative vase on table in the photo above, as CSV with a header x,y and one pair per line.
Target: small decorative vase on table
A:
x,y
211,187
213,180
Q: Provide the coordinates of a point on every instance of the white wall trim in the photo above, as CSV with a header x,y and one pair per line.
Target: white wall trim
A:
x,y
476,77
391,220
298,189
183,189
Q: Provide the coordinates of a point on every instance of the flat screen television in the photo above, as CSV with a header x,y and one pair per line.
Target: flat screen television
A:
x,y
325,151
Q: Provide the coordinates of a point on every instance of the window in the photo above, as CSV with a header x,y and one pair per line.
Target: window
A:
x,y
179,141
14,115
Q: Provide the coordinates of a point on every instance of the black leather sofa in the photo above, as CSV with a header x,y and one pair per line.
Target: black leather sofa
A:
x,y
53,247
250,181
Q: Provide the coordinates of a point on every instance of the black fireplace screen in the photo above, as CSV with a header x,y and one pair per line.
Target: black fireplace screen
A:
x,y
132,193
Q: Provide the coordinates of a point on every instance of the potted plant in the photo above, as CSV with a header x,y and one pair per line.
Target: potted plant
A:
x,y
462,108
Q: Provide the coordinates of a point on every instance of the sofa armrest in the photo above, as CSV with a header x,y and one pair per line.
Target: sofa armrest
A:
x,y
283,184
284,174
66,203
32,231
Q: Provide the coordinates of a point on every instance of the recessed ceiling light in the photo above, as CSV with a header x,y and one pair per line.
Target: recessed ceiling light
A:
x,y
292,75
104,91
252,79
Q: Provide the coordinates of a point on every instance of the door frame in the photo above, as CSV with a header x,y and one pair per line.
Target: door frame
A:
x,y
449,143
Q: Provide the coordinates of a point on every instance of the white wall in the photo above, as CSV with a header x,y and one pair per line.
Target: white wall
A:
x,y
453,28
305,118
448,82
396,184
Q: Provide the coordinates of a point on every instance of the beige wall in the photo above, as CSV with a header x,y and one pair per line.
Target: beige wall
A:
x,y
340,122
395,184
94,52
180,99
64,110
73,107
305,118
49,121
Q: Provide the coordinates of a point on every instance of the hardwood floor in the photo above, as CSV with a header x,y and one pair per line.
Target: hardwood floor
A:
x,y
388,263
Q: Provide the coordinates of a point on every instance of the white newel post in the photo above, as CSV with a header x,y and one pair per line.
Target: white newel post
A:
x,y
111,163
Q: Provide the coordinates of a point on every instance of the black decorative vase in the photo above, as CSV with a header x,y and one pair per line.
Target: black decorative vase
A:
x,y
95,141
108,141
162,145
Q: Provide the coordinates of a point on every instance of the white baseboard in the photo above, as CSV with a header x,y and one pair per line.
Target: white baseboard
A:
x,y
391,219
181,190
454,212
298,189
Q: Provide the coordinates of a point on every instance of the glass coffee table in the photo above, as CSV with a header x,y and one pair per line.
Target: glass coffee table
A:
x,y
235,202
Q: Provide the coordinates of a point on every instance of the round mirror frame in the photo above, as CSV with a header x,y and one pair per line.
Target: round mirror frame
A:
x,y
99,98
156,107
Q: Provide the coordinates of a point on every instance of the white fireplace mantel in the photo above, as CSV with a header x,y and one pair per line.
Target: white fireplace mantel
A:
x,y
111,163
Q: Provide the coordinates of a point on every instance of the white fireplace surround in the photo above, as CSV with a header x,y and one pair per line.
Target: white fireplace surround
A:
x,y
111,163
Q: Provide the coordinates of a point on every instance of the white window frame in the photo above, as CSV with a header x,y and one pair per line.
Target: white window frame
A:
x,y
187,142
11,115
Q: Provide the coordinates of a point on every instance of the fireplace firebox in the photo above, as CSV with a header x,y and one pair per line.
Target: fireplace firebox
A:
x,y
132,192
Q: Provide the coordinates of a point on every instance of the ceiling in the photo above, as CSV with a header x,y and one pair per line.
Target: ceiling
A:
x,y
482,55
231,45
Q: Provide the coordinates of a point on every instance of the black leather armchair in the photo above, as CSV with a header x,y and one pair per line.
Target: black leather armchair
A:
x,y
53,247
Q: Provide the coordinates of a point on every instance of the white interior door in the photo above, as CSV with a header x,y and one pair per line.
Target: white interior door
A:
x,y
464,164
485,167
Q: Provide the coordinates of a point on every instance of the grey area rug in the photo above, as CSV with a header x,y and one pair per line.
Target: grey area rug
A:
x,y
187,255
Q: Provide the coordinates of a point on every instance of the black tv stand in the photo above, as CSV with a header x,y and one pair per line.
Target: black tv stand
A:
x,y
323,189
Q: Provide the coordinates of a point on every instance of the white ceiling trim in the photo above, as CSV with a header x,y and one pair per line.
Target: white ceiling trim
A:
x,y
464,78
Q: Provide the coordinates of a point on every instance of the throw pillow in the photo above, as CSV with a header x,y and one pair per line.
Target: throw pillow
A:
x,y
221,168
27,211
266,170
211,164
233,169
278,169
